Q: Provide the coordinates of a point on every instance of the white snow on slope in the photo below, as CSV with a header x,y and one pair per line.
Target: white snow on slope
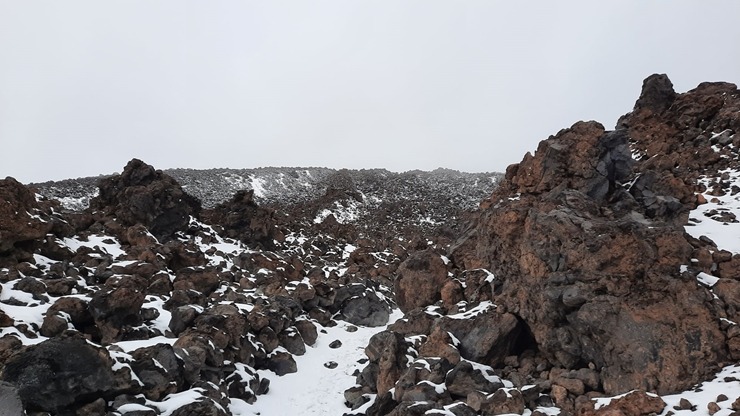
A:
x,y
344,214
726,382
315,389
725,234
258,185
107,244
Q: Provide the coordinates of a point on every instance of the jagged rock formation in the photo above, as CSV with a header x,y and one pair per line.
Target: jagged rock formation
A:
x,y
592,273
24,221
142,195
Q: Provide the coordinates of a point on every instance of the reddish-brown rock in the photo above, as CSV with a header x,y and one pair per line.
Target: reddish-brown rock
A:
x,y
637,403
21,217
591,265
420,280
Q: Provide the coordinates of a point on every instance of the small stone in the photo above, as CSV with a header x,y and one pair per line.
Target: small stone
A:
x,y
558,393
330,364
684,404
713,408
721,398
335,344
351,328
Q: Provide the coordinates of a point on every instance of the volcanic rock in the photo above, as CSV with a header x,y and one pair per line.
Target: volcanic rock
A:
x,y
10,400
159,369
61,372
487,337
242,219
464,378
143,195
420,280
387,353
361,305
21,220
636,403
589,274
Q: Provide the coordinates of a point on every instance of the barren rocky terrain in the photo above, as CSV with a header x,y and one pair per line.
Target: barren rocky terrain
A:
x,y
598,276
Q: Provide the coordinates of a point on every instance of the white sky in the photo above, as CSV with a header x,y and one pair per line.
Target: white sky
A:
x,y
87,85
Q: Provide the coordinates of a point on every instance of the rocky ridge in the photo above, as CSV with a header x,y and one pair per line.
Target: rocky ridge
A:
x,y
601,265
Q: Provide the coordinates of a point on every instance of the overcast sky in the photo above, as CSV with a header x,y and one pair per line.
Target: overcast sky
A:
x,y
468,85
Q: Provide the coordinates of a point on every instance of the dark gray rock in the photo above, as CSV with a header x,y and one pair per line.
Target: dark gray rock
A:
x,y
60,373
10,400
463,379
159,369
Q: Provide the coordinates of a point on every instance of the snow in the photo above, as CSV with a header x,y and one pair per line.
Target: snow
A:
x,y
479,309
133,407
258,186
42,261
315,389
348,250
708,393
485,370
344,214
175,401
31,314
707,279
724,234
130,346
107,244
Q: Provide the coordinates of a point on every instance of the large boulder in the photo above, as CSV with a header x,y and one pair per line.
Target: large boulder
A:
x,y
485,336
115,310
143,195
62,373
360,304
242,219
420,280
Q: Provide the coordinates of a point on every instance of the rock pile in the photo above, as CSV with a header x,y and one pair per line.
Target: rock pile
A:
x,y
139,301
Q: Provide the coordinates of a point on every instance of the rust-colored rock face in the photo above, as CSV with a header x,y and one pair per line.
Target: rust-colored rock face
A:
x,y
420,280
19,216
589,243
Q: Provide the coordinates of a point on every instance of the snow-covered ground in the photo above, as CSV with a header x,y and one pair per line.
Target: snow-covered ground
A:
x,y
316,389
706,218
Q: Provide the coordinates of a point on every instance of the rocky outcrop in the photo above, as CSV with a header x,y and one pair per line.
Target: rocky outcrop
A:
x,y
143,195
242,219
592,263
594,277
23,220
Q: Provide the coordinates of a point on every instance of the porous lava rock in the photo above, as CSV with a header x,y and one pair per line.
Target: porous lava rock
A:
x,y
20,222
242,219
143,195
420,280
58,373
592,267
